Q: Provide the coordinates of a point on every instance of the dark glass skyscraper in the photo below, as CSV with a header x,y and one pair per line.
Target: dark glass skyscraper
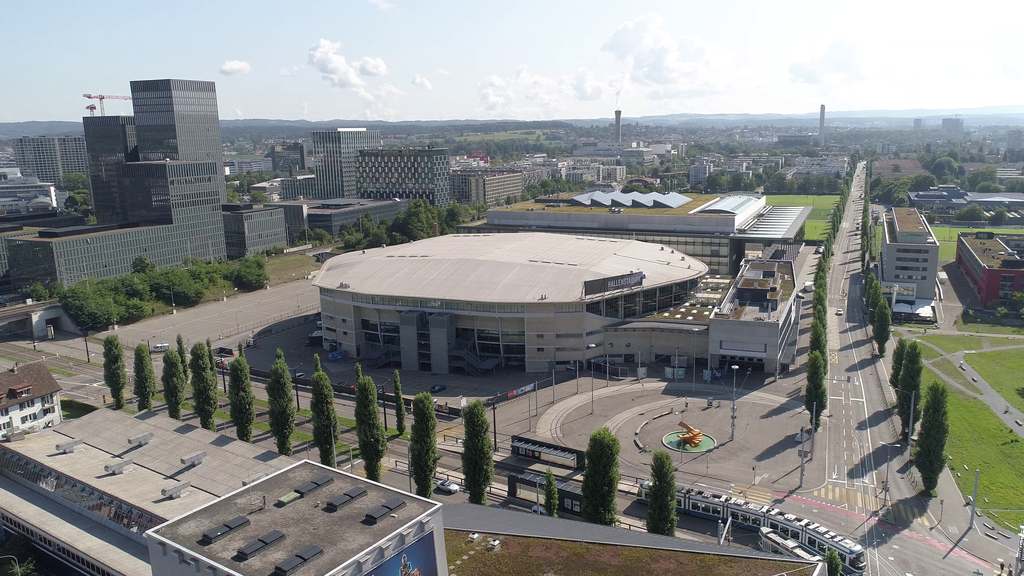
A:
x,y
110,141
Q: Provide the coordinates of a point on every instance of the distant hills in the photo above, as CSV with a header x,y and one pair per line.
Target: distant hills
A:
x,y
985,116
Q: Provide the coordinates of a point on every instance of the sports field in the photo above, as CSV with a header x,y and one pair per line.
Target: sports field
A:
x,y
821,206
946,235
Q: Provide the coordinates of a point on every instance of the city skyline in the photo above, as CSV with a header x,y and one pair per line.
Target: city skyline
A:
x,y
394,60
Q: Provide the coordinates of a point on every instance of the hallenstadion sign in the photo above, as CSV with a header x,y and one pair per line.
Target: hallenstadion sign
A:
x,y
613,283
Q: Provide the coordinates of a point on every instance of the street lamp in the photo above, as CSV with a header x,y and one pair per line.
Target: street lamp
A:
x,y
910,428
732,427
591,346
17,565
607,369
888,460
693,358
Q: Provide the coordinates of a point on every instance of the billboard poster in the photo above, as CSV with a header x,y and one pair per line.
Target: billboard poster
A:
x,y
521,390
602,285
416,559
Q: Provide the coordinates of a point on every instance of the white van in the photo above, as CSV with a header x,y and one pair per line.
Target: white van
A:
x,y
161,347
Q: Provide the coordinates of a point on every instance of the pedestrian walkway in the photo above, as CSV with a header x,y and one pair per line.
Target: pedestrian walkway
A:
x,y
754,494
854,499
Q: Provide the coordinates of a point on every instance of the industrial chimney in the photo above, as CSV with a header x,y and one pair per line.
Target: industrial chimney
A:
x,y
618,125
821,127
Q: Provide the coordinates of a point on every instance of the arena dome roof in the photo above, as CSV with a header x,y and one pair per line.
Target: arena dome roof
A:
x,y
523,267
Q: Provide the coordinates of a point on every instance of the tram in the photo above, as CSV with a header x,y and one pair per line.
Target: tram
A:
x,y
813,537
770,541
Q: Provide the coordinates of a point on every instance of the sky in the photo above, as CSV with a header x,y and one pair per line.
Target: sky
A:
x,y
442,60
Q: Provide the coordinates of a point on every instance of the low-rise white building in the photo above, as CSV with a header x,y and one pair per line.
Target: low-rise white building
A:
x,y
29,399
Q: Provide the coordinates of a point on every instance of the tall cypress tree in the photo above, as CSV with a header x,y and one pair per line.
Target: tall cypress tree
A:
x,y
550,493
113,370
819,341
212,364
282,410
204,386
910,386
601,479
423,454
931,446
145,379
881,325
183,355
477,463
325,418
897,362
399,405
815,394
243,401
373,441
173,379
661,511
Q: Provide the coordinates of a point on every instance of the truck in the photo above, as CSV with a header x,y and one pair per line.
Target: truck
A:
x,y
808,286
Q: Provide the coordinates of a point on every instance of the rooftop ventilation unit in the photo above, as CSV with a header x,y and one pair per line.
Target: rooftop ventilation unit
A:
x,y
260,544
345,499
69,446
392,505
300,559
214,534
193,459
175,492
317,482
141,439
117,467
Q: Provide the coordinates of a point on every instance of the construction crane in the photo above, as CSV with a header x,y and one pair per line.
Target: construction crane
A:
x,y
92,109
101,98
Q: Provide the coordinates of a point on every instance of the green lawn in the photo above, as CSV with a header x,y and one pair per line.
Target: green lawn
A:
x,y
929,353
817,222
1002,371
947,238
953,344
815,229
282,269
979,439
946,366
987,328
71,409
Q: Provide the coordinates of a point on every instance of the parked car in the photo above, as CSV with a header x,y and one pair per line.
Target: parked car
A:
x,y
839,311
448,486
224,351
438,388
538,509
161,347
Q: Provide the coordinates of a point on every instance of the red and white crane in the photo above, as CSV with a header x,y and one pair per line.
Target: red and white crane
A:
x,y
101,98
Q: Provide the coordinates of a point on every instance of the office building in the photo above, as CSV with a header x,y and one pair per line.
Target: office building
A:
x,y
111,143
288,156
29,399
362,527
166,206
405,173
954,125
992,264
756,326
717,230
476,302
87,504
909,257
331,215
486,187
249,230
699,173
49,158
950,198
336,152
918,123
247,165
1015,139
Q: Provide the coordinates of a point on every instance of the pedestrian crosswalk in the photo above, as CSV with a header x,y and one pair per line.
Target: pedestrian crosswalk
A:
x,y
754,494
866,503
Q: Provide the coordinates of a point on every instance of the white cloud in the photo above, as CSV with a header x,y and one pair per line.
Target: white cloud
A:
x,y
585,87
422,82
289,72
235,68
837,64
238,112
371,66
524,94
324,57
388,91
495,95
443,72
382,5
304,110
651,53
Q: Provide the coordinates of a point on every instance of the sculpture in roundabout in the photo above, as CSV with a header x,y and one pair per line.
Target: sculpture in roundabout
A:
x,y
691,437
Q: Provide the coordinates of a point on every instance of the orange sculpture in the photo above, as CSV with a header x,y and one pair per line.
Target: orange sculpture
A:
x,y
692,437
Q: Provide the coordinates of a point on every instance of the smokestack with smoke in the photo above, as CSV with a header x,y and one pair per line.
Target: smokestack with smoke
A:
x,y
821,128
618,125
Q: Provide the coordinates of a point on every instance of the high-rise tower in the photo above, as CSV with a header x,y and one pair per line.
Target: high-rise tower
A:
x,y
336,152
618,125
110,142
821,127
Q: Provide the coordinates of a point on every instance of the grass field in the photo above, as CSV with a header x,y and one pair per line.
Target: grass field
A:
x,y
291,267
946,366
1002,371
929,353
979,439
71,409
947,238
821,206
987,328
954,344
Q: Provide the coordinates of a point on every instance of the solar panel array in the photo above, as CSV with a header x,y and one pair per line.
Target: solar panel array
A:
x,y
631,200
